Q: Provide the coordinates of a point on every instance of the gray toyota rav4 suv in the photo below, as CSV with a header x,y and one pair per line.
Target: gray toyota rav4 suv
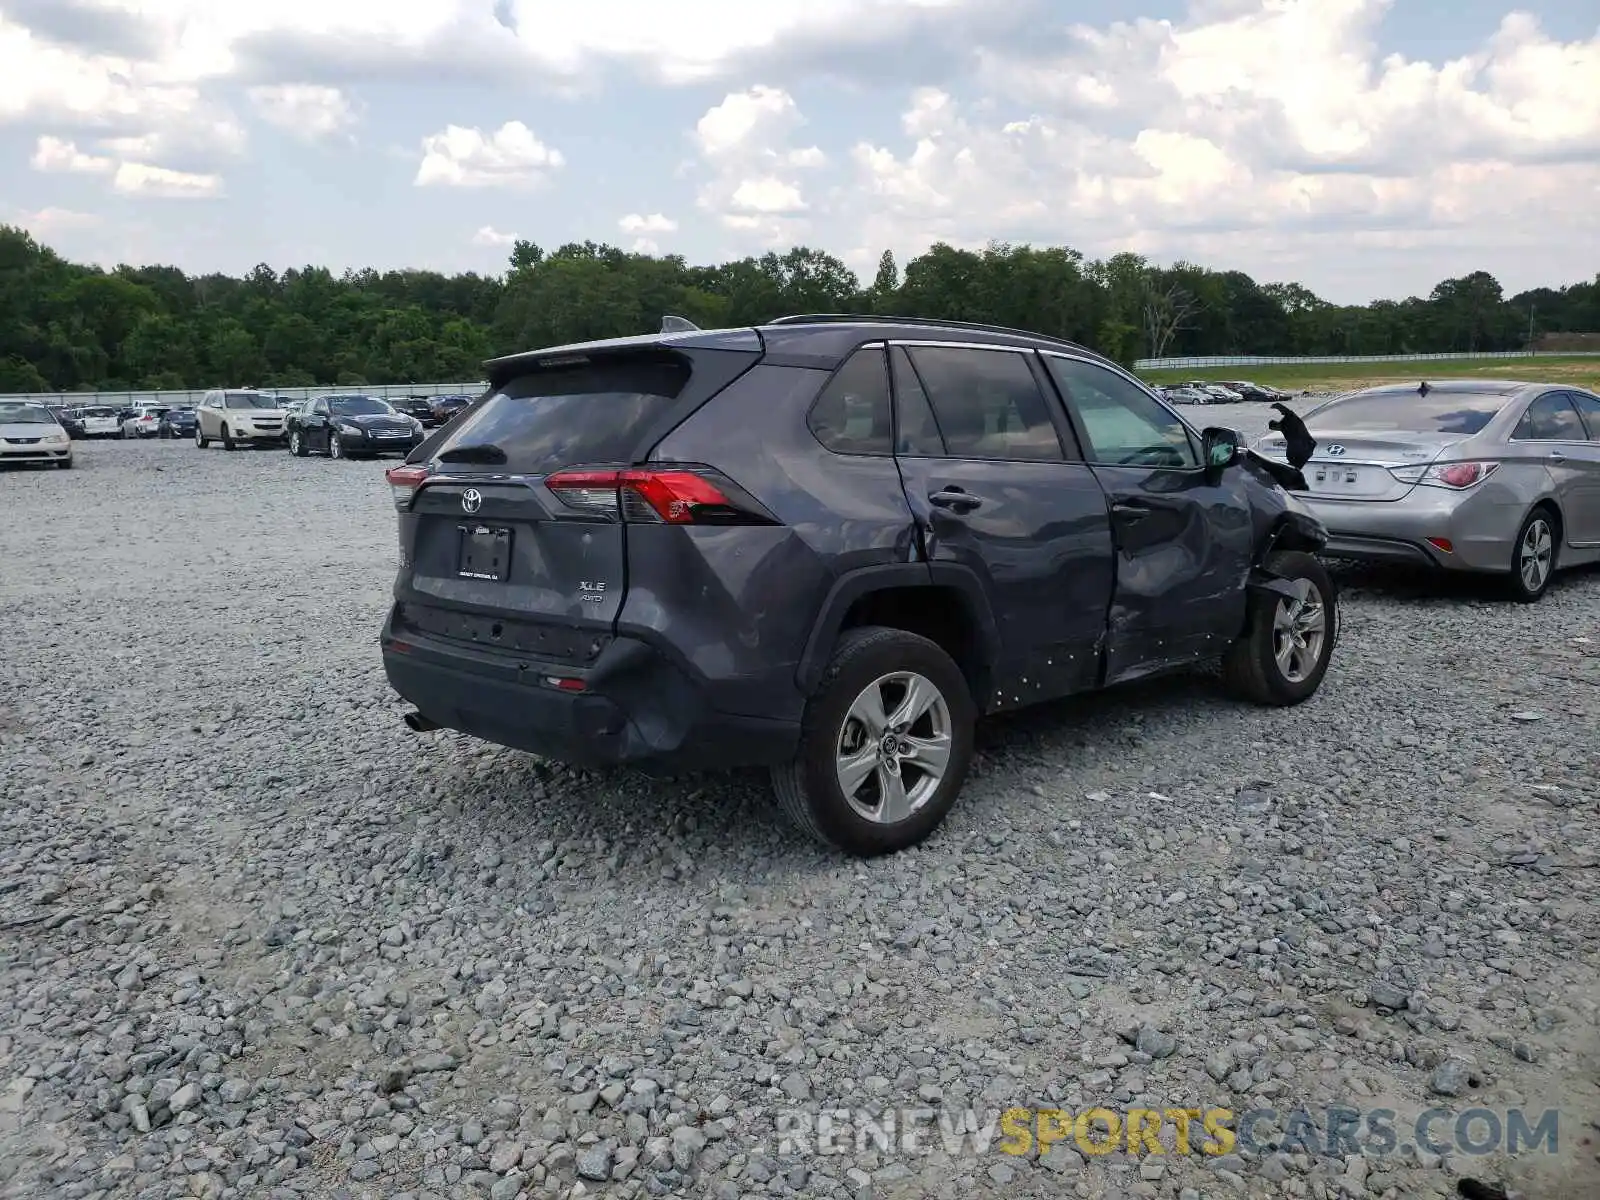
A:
x,y
828,545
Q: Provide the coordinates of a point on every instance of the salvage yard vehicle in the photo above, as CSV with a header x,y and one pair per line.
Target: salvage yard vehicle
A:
x,y
99,421
238,417
144,421
352,427
827,546
30,433
1462,475
176,423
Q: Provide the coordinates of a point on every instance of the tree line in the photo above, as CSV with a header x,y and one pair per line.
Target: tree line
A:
x,y
69,327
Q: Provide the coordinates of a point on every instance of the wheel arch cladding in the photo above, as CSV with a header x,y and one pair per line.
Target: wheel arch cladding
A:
x,y
943,603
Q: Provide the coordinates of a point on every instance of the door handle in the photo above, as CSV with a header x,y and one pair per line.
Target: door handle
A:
x,y
1557,456
1133,510
953,497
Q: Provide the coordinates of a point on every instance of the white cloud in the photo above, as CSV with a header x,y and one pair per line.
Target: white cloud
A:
x,y
306,110
751,185
462,157
767,196
142,179
52,154
1250,124
488,235
646,245
640,224
51,220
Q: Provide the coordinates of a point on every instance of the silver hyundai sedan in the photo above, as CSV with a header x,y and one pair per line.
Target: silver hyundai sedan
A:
x,y
1468,475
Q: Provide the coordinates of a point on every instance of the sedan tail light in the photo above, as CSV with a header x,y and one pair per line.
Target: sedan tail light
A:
x,y
1457,476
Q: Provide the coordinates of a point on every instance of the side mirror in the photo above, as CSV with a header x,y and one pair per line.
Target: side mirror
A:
x,y
1221,447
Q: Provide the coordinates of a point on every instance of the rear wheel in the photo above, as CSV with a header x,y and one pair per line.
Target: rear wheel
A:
x,y
1284,652
1533,559
200,439
335,446
297,444
885,745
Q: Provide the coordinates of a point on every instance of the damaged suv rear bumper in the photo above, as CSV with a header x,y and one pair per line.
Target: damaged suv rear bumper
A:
x,y
631,706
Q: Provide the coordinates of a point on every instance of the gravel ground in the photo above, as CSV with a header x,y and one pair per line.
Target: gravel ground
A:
x,y
256,939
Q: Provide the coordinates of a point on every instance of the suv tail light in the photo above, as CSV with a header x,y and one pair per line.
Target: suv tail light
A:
x,y
1458,476
657,496
404,481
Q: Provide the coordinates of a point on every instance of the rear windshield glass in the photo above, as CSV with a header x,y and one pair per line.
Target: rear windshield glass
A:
x,y
1450,412
570,416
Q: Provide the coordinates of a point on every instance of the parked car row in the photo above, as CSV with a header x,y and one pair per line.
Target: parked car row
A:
x,y
1207,391
337,424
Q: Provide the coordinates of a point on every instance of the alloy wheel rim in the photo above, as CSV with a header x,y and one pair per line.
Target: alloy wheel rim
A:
x,y
1299,631
893,749
1534,555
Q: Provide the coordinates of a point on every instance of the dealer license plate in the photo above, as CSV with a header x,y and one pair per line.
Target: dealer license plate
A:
x,y
485,553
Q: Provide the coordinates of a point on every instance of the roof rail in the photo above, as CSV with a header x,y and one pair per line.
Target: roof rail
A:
x,y
938,322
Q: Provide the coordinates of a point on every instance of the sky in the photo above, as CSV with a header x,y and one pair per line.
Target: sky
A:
x,y
1364,148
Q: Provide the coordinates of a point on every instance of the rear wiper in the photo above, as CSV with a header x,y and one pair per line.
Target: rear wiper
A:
x,y
482,452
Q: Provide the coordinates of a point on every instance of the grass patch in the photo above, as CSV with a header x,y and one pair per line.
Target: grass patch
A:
x,y
1575,369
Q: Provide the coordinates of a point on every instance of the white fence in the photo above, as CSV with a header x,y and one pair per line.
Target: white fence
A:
x,y
1246,360
192,397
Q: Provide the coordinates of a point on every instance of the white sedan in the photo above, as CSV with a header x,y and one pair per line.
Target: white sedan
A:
x,y
29,433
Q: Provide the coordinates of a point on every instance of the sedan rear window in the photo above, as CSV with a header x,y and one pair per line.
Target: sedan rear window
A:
x,y
1448,412
590,413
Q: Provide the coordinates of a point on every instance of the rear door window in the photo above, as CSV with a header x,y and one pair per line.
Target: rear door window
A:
x,y
1589,409
585,414
987,403
1550,418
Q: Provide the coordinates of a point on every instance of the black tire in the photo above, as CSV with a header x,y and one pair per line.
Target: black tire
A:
x,y
227,439
1539,516
335,446
201,441
297,444
163,433
808,788
1250,667
63,464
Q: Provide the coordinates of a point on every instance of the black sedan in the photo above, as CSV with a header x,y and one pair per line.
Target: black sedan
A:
x,y
447,407
176,423
418,407
352,427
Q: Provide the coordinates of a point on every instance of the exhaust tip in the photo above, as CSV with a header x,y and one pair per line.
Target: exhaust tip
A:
x,y
418,723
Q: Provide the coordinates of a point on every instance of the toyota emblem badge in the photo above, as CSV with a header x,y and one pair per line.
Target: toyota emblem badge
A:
x,y
471,500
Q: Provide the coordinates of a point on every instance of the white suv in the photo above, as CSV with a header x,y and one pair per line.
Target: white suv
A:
x,y
238,417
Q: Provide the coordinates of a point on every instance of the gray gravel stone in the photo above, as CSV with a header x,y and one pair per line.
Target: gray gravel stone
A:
x,y
258,939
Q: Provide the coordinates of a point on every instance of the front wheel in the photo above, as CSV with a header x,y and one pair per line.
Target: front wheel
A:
x,y
1284,652
885,745
1533,562
64,464
335,446
227,439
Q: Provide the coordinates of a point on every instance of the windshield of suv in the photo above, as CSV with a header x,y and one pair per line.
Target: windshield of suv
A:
x,y
1385,412
245,400
25,414
358,406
